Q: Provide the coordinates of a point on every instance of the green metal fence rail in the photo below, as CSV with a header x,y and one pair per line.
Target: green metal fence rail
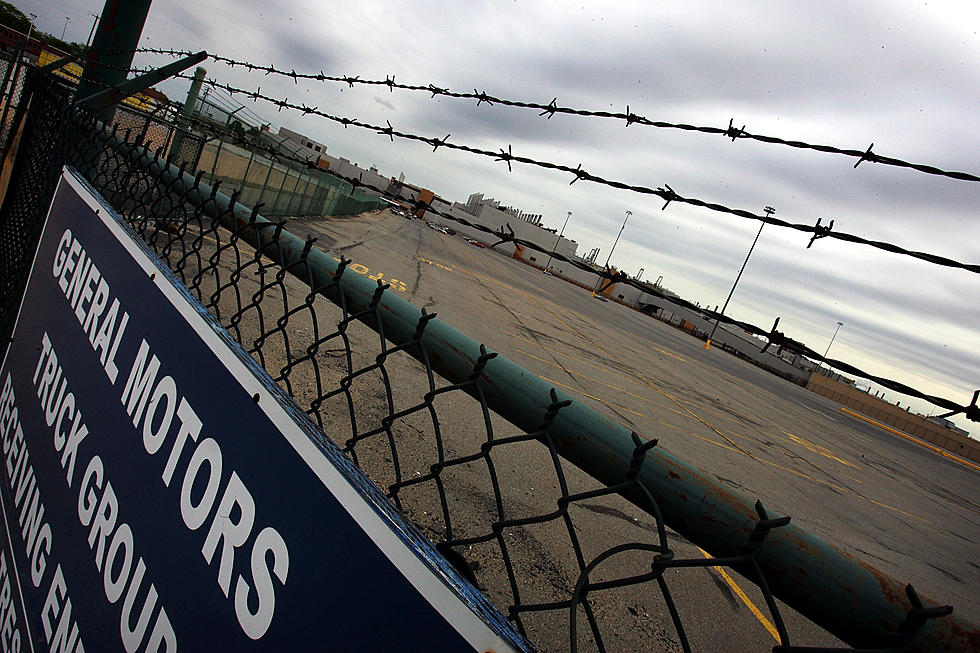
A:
x,y
848,597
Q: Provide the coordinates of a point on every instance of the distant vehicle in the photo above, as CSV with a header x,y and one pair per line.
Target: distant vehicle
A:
x,y
432,225
447,230
600,298
477,243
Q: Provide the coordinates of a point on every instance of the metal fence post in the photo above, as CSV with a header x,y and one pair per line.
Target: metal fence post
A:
x,y
265,184
185,112
248,166
112,51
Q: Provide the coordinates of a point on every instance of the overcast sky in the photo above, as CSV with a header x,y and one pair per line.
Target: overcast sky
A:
x,y
903,75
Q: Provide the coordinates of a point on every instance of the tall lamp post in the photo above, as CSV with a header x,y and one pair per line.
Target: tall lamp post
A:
x,y
557,240
67,20
91,32
768,211
839,325
30,26
597,281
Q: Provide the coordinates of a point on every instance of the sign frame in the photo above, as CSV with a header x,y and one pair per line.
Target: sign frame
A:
x,y
454,600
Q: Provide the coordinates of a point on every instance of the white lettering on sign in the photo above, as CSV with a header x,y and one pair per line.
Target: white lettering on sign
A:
x,y
110,538
10,636
226,505
88,294
27,502
62,634
114,549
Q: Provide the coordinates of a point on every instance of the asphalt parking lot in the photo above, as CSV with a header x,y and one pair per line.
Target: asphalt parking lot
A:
x,y
905,510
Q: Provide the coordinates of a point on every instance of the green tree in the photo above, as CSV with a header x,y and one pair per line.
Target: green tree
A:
x,y
13,17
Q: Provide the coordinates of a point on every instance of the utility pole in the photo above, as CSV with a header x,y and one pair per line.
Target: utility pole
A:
x,y
768,211
558,240
111,56
839,325
628,214
95,22
30,26
67,20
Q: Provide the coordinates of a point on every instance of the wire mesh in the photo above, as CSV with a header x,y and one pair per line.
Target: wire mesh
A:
x,y
571,562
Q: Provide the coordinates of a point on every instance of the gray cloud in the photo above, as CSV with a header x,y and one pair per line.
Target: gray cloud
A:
x,y
900,74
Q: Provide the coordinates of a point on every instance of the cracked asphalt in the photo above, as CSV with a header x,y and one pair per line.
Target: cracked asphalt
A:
x,y
907,511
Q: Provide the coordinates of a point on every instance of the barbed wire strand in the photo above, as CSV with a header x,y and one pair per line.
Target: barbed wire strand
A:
x,y
817,230
552,108
773,336
665,192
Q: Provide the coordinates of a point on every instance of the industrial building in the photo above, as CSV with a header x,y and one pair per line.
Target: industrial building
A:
x,y
303,144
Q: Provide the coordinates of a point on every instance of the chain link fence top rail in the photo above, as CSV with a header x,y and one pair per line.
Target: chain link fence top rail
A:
x,y
449,429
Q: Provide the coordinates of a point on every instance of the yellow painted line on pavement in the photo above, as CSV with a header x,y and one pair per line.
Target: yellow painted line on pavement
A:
x,y
818,449
745,599
597,381
601,401
685,410
914,440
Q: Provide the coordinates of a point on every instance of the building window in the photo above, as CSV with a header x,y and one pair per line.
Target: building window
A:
x,y
533,259
620,296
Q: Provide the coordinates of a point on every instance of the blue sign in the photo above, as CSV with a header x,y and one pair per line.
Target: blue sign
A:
x,y
160,493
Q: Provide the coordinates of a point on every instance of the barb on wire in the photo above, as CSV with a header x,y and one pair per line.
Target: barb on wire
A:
x,y
773,336
971,412
552,108
664,192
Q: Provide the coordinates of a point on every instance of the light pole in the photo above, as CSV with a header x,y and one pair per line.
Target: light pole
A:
x,y
91,32
558,240
839,325
67,20
768,211
30,26
628,214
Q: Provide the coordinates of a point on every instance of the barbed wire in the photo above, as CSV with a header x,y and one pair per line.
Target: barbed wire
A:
x,y
552,108
665,192
520,606
817,230
774,337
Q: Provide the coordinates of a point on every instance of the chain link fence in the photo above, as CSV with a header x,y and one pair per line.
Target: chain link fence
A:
x,y
577,554
12,71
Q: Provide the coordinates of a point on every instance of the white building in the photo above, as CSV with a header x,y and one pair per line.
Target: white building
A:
x,y
526,226
304,145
